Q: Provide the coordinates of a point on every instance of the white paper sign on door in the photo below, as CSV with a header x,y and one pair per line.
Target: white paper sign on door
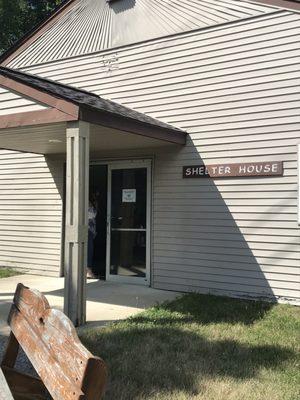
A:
x,y
129,195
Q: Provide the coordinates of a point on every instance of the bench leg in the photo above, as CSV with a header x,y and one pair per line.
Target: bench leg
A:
x,y
23,386
11,353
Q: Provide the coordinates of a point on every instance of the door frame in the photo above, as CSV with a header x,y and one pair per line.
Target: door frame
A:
x,y
127,164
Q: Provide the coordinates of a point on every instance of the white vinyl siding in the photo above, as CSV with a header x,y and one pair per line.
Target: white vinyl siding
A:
x,y
13,103
30,213
235,89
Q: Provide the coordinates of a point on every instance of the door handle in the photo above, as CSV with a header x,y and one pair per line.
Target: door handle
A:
x,y
118,218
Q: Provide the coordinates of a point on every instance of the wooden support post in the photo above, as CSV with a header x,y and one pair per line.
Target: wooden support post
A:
x,y
76,221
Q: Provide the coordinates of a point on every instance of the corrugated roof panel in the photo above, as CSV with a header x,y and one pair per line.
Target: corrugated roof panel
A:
x,y
92,26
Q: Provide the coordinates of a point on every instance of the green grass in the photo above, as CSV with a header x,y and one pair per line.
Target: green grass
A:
x,y
203,347
7,272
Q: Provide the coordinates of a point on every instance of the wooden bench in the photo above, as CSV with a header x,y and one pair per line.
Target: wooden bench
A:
x,y
65,367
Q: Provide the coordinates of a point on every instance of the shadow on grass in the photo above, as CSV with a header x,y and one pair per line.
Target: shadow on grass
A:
x,y
171,348
144,360
206,309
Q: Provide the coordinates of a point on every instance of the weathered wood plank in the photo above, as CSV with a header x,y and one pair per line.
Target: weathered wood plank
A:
x,y
93,381
50,341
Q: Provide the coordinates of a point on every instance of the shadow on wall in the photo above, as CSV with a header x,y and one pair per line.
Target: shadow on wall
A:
x,y
120,6
198,245
57,170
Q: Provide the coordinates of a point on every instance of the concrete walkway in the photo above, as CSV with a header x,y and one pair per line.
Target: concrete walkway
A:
x,y
106,301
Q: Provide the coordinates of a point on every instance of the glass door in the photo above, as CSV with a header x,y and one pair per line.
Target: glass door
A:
x,y
128,222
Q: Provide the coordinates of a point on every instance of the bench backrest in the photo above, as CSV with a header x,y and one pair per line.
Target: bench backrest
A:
x,y
49,339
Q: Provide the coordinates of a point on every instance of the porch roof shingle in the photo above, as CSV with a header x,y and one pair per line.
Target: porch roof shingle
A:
x,y
90,103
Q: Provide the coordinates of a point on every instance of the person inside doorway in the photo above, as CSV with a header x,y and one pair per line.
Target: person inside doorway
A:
x,y
92,233
98,225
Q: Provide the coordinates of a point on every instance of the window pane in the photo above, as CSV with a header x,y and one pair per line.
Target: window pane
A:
x,y
129,198
128,253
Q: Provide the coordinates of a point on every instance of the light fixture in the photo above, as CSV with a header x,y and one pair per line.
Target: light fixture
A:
x,y
55,141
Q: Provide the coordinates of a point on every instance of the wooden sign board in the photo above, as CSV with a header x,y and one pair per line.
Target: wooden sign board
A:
x,y
272,168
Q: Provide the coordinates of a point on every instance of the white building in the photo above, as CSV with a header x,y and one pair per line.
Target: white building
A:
x,y
224,71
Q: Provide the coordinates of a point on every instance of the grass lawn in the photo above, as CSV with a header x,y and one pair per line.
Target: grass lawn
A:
x,y
203,347
7,272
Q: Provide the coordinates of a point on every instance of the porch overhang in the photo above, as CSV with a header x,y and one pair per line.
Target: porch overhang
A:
x,y
62,104
41,116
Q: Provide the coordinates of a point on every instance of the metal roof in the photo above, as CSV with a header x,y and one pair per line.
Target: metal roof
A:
x,y
88,26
